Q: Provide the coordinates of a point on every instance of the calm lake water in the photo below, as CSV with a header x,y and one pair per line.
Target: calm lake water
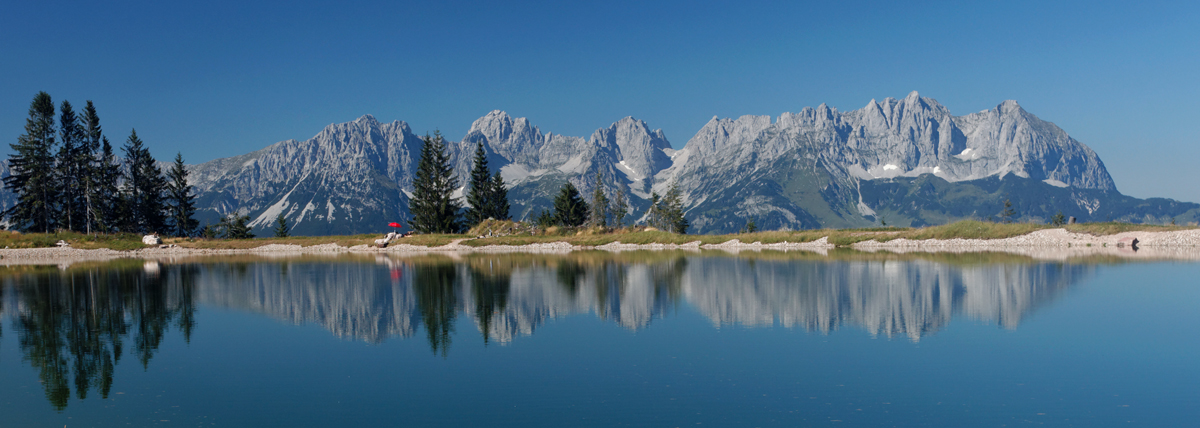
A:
x,y
600,339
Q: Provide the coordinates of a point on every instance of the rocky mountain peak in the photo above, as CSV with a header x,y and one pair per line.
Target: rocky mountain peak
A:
x,y
516,140
639,150
1009,107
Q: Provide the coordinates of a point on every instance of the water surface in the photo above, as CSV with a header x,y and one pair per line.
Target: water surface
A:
x,y
601,339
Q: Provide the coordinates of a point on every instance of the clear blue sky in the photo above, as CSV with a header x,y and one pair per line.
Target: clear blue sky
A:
x,y
216,79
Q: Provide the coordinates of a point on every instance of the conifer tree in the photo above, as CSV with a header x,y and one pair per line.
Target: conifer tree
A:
x,y
620,208
673,210
598,215
235,226
281,226
479,193
666,212
433,205
93,165
1009,213
498,198
32,170
112,211
654,212
569,209
181,204
70,168
144,188
1059,219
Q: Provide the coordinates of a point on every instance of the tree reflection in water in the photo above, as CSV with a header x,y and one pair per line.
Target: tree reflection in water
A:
x,y
437,296
74,326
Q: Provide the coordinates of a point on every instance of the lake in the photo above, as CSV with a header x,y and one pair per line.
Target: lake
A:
x,y
638,338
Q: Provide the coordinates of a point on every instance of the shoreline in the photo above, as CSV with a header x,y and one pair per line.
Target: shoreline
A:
x,y
1046,244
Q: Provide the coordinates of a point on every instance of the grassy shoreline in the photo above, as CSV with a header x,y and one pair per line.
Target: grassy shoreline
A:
x,y
518,234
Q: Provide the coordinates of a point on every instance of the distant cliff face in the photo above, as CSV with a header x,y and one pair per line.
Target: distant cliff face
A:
x,y
815,168
804,169
347,179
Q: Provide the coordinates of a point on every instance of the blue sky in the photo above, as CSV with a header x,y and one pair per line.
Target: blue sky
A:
x,y
216,79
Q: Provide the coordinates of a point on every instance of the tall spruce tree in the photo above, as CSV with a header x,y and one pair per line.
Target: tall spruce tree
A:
x,y
433,205
181,204
498,198
479,193
236,226
144,187
92,164
281,226
654,212
666,212
673,210
620,208
71,169
32,173
598,215
569,209
112,212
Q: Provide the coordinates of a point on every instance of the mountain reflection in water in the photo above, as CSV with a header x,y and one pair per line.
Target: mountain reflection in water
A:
x,y
74,325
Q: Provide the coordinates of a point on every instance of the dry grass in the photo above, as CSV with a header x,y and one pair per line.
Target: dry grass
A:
x,y
515,233
963,229
308,241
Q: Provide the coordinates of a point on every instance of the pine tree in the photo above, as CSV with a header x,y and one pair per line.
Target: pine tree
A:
x,y
92,164
673,210
181,204
144,188
666,212
498,198
1008,213
598,215
281,226
569,209
654,212
543,218
1059,219
750,227
479,193
32,170
235,226
70,169
433,205
620,208
111,208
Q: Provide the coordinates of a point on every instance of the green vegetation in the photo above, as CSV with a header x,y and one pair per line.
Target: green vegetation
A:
x,y
569,209
507,232
76,183
487,195
433,205
234,226
281,226
181,203
666,212
598,216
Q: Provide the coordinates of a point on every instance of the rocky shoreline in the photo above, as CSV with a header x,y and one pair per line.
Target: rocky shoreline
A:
x,y
1049,244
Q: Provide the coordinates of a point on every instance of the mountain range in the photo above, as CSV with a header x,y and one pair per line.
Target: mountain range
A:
x,y
903,162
